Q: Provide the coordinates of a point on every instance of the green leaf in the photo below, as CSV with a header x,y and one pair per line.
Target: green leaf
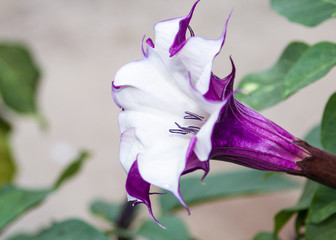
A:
x,y
72,229
307,12
7,165
313,137
266,88
306,198
328,131
72,169
265,236
225,185
298,66
176,229
282,217
316,62
108,211
325,230
323,205
300,222
19,78
330,1
16,201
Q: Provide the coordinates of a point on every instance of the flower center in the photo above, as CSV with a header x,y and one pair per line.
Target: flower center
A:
x,y
190,129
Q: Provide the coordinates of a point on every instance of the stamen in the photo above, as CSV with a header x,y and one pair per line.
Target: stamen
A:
x,y
184,130
191,31
193,116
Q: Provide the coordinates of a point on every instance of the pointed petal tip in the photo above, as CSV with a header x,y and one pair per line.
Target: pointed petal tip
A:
x,y
180,38
204,176
149,207
152,216
179,197
193,8
223,35
115,86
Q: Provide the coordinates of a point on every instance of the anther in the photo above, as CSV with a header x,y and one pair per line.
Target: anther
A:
x,y
193,116
184,130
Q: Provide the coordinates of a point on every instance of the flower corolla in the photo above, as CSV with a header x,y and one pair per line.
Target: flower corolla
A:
x,y
177,115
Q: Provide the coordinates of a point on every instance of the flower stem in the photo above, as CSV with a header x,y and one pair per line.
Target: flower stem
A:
x,y
320,166
125,219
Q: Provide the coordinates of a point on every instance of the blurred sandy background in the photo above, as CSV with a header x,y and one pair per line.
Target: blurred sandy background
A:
x,y
80,44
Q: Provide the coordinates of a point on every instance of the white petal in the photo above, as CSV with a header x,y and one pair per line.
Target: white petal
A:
x,y
129,148
156,124
152,77
136,99
197,56
163,163
165,33
204,145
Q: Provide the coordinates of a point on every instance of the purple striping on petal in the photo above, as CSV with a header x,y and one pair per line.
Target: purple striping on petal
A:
x,y
266,128
250,140
263,121
282,131
255,162
180,38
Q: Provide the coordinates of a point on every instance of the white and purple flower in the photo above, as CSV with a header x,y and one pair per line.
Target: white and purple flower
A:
x,y
177,115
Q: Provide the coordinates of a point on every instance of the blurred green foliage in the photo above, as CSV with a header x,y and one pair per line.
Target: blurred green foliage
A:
x,y
7,164
16,201
19,78
71,229
328,128
298,66
307,12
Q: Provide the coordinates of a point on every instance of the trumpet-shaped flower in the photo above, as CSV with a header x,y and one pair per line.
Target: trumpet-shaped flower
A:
x,y
177,115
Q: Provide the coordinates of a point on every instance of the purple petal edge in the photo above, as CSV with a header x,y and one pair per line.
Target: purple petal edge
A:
x,y
193,163
180,38
138,188
220,89
113,89
149,43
